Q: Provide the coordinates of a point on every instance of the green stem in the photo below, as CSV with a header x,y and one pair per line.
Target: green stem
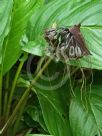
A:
x,y
19,117
39,65
6,94
0,91
13,88
7,80
25,95
23,104
5,103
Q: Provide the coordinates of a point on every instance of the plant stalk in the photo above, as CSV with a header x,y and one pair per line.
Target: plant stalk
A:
x,y
13,88
16,124
25,95
6,94
0,91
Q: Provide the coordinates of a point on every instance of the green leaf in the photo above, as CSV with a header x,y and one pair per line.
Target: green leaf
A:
x,y
87,120
69,13
21,82
5,10
34,114
35,48
52,92
22,10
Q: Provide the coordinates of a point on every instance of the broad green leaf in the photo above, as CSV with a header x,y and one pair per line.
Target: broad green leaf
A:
x,y
52,92
69,13
22,10
34,113
35,48
5,10
86,120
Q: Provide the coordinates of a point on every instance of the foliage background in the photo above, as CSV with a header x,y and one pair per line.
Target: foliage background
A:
x,y
23,24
